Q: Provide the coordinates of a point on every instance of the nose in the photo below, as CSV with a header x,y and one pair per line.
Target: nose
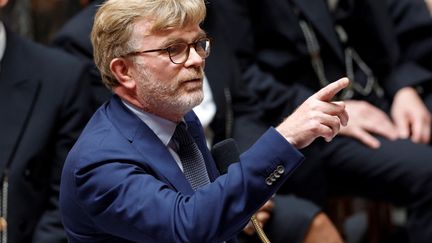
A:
x,y
194,58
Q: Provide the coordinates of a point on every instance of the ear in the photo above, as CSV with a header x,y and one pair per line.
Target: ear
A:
x,y
120,68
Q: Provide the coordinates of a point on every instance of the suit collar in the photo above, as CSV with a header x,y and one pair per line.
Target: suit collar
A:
x,y
162,127
151,148
313,11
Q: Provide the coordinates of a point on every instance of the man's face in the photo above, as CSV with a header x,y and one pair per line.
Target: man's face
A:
x,y
164,88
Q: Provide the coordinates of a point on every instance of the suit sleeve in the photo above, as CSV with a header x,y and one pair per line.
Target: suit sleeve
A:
x,y
412,25
134,203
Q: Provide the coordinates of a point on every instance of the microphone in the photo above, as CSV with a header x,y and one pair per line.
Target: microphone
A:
x,y
225,153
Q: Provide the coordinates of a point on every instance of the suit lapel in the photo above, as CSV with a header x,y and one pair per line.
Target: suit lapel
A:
x,y
154,152
313,11
158,157
18,95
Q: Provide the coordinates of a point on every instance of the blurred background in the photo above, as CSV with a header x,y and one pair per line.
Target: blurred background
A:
x,y
40,19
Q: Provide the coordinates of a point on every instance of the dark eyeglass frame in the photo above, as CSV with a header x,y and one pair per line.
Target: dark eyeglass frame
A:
x,y
203,54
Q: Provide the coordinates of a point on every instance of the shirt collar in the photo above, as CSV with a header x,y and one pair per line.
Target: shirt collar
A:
x,y
163,128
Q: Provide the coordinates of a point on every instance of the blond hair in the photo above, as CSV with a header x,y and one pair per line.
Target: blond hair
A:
x,y
114,23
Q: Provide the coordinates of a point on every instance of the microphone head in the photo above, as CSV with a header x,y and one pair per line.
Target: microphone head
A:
x,y
225,153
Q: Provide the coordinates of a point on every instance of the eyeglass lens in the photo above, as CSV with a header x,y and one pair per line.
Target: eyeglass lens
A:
x,y
179,53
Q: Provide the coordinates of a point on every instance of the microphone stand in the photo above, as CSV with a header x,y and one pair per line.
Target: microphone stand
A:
x,y
259,230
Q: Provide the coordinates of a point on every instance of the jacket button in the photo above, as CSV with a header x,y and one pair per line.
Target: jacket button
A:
x,y
280,169
269,182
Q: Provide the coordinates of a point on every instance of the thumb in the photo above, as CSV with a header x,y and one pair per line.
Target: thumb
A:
x,y
328,92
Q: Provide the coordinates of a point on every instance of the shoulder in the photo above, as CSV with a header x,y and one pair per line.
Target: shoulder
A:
x,y
108,134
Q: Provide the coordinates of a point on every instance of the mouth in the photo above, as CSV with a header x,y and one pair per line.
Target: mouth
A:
x,y
193,84
198,79
193,81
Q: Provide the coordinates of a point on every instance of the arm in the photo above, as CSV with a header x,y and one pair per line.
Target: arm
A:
x,y
412,22
150,210
164,214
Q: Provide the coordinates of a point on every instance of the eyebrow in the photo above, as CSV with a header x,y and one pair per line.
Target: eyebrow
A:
x,y
170,41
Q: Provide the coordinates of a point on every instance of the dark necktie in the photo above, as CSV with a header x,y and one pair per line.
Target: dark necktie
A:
x,y
192,160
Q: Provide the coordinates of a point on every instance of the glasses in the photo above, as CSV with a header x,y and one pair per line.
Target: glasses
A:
x,y
179,52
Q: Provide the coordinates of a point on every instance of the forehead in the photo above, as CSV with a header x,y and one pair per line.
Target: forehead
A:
x,y
142,33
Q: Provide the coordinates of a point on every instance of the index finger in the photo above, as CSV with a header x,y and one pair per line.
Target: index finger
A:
x,y
328,92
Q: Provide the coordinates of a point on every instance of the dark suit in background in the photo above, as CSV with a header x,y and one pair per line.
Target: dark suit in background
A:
x,y
413,24
275,61
240,115
44,103
74,38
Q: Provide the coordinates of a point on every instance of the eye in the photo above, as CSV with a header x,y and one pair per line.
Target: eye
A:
x,y
201,45
177,49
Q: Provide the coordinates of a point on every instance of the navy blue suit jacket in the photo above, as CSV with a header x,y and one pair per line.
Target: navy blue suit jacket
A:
x,y
120,183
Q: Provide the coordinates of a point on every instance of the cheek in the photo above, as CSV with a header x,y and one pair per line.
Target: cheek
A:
x,y
164,73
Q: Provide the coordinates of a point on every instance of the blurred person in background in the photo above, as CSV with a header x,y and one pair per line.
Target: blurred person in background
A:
x,y
291,48
44,102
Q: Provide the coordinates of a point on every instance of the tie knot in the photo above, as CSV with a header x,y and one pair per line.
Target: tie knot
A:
x,y
181,135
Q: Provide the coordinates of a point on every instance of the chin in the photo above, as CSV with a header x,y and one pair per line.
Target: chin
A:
x,y
193,99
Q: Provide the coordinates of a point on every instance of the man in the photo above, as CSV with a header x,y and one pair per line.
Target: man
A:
x,y
44,105
291,48
124,178
232,112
